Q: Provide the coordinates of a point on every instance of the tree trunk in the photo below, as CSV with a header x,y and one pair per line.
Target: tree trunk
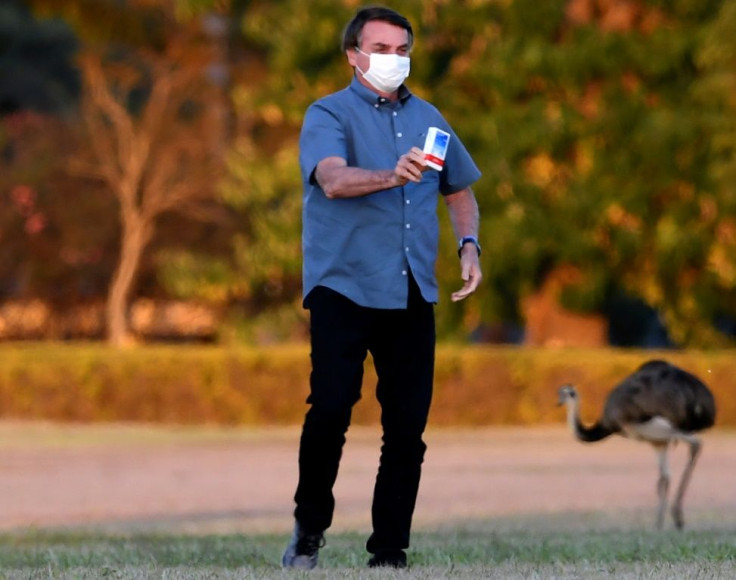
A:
x,y
136,235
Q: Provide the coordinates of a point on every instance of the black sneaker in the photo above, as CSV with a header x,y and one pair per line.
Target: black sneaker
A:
x,y
302,550
389,559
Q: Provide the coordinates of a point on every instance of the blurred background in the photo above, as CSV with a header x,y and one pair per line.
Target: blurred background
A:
x,y
149,183
150,196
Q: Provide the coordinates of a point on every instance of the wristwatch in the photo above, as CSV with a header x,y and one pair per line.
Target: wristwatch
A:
x,y
468,240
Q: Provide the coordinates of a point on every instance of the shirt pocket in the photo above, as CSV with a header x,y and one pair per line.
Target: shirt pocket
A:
x,y
419,139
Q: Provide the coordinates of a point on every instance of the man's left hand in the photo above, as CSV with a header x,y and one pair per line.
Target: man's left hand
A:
x,y
470,273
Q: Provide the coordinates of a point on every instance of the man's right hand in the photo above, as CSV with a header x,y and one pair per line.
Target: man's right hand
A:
x,y
410,166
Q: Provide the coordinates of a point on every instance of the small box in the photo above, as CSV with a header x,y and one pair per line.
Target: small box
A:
x,y
435,147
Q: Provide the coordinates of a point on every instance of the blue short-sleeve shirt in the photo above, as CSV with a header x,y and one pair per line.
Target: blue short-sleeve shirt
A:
x,y
364,247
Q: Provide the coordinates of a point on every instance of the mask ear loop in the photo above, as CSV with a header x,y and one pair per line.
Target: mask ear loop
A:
x,y
356,64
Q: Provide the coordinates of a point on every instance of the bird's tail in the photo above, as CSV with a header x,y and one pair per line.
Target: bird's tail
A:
x,y
595,432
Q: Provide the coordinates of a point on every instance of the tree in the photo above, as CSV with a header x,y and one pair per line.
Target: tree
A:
x,y
146,114
595,157
713,97
274,80
53,237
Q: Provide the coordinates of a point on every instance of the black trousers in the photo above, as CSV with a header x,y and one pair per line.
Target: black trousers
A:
x,y
402,343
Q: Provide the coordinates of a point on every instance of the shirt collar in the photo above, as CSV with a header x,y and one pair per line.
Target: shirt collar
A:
x,y
372,98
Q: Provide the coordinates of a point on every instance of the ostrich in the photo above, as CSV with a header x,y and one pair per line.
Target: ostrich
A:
x,y
658,403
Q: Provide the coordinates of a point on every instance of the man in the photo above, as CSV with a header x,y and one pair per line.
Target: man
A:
x,y
370,233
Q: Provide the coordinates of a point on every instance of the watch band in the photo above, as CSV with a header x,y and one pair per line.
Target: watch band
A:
x,y
468,240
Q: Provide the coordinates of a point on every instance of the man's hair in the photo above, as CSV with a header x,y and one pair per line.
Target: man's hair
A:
x,y
354,29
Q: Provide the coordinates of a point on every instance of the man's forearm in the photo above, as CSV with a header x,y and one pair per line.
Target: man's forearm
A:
x,y
464,214
339,181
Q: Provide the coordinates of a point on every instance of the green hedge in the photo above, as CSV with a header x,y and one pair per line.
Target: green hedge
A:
x,y
475,385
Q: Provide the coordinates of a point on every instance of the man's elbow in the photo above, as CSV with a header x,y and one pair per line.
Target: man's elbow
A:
x,y
334,189
331,191
327,176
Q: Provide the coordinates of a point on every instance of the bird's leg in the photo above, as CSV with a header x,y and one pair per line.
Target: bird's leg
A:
x,y
695,447
663,484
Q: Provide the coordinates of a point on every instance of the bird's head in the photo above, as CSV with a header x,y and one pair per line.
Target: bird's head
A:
x,y
566,393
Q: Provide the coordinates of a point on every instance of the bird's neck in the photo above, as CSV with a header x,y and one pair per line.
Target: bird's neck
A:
x,y
573,417
595,432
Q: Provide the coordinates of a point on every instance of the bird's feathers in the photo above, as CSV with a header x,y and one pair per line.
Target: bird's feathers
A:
x,y
660,389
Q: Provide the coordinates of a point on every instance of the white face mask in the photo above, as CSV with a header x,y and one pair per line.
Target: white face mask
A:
x,y
386,72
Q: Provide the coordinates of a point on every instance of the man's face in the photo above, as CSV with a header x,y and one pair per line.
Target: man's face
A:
x,y
379,37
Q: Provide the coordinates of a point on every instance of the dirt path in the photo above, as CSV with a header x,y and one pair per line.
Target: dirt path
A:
x,y
122,478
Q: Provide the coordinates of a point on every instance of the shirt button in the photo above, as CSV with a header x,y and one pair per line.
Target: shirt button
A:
x,y
396,114
399,134
376,105
408,201
408,226
407,248
403,272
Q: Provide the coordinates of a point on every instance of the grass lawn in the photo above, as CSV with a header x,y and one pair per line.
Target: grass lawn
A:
x,y
506,549
101,468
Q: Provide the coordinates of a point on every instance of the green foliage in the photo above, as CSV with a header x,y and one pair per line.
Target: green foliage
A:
x,y
195,277
265,191
714,93
595,155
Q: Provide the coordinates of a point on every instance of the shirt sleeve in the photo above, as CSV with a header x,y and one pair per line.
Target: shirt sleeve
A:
x,y
322,136
460,171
